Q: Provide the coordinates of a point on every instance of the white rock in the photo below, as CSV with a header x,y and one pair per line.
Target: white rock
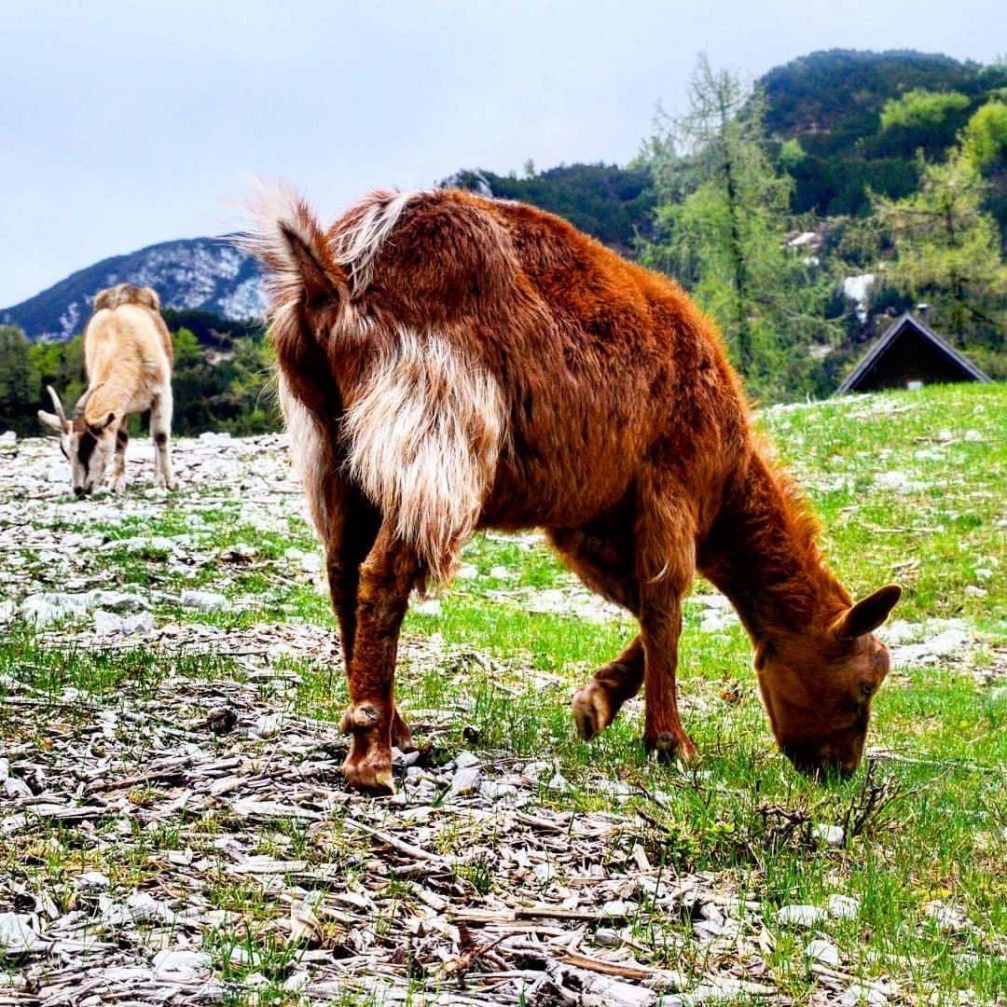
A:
x,y
802,915
844,907
494,791
203,601
7,438
107,623
830,835
945,644
15,788
144,908
544,873
179,965
823,951
466,759
268,725
427,606
618,908
91,881
947,918
858,994
16,933
465,781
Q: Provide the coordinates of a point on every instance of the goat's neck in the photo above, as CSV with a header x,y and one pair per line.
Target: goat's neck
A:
x,y
761,553
114,389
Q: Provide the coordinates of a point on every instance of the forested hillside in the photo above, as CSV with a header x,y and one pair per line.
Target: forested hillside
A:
x,y
803,214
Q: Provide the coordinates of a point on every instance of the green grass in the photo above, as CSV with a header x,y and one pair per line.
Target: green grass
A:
x,y
938,527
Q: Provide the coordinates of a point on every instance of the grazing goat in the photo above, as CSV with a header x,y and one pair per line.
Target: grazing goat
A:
x,y
127,359
449,363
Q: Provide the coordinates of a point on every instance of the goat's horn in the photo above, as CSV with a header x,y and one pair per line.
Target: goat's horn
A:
x,y
56,402
78,411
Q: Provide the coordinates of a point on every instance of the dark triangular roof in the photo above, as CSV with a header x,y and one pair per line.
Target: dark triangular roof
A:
x,y
881,347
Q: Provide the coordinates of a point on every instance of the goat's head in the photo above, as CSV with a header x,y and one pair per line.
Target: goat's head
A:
x,y
818,685
87,444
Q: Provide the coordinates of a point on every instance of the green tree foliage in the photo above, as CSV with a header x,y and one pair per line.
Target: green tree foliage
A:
x,y
224,389
613,204
835,103
919,108
985,136
948,250
720,229
19,379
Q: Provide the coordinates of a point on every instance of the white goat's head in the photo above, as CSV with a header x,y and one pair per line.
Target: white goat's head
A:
x,y
87,446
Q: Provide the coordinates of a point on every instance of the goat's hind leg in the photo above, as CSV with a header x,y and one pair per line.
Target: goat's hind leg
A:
x,y
117,481
160,431
608,568
351,528
386,578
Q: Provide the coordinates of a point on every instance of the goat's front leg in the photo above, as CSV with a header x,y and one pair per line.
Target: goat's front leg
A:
x,y
666,558
160,431
117,479
386,578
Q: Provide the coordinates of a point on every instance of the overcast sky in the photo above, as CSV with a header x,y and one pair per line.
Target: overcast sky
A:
x,y
124,124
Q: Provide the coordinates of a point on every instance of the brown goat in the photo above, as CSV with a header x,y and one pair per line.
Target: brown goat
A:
x,y
449,363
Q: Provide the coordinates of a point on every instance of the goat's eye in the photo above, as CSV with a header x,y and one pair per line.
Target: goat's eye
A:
x,y
867,690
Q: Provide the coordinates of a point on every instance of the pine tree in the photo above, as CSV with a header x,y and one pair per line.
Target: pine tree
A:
x,y
721,224
948,249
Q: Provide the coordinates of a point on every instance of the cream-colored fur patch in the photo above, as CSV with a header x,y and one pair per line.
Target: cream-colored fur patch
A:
x,y
356,247
309,454
423,437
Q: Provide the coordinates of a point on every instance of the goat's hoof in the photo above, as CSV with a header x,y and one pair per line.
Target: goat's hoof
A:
x,y
667,746
592,711
118,486
372,774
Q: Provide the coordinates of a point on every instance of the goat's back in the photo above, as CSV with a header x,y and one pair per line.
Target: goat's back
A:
x,y
600,363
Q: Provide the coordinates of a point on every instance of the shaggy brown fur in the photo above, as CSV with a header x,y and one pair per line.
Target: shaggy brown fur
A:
x,y
127,358
450,363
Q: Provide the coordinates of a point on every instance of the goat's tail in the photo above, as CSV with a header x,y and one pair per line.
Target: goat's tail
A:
x,y
286,238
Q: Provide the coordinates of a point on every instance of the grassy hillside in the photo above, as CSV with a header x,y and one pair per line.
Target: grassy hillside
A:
x,y
682,879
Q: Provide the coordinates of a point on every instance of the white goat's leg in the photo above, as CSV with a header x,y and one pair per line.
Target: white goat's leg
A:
x,y
160,432
117,478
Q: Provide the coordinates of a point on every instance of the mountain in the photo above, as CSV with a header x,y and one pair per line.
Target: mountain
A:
x,y
193,274
823,117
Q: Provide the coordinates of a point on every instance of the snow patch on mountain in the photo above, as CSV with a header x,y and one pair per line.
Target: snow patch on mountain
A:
x,y
197,274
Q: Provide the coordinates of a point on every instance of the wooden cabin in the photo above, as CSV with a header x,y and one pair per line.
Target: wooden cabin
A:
x,y
909,355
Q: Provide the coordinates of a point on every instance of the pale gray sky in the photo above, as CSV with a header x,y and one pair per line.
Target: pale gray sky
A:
x,y
127,123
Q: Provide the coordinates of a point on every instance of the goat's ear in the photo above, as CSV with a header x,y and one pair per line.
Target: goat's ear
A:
x,y
868,614
50,420
101,425
318,285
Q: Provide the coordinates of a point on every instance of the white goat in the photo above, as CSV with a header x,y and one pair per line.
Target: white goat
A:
x,y
127,360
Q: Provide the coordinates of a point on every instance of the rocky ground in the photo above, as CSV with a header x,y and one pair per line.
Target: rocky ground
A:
x,y
174,828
